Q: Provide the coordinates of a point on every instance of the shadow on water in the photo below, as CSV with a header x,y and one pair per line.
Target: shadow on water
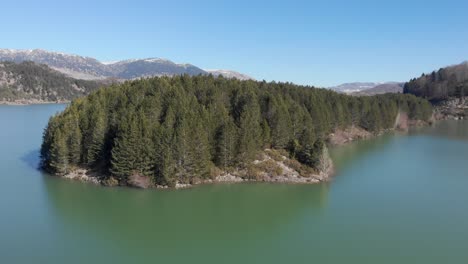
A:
x,y
447,129
193,219
32,159
344,155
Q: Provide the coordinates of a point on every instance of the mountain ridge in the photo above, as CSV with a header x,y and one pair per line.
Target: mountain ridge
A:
x,y
88,68
368,88
28,82
229,74
388,87
352,87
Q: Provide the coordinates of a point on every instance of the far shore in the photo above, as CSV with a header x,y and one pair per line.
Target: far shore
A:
x,y
31,102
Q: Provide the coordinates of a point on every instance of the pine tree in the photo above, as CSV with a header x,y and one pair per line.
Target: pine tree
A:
x,y
59,153
266,134
311,154
125,152
249,130
296,114
123,158
182,147
48,142
226,144
97,136
146,148
280,123
200,159
164,164
74,142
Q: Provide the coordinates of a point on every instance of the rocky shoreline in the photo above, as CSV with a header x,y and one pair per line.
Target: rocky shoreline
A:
x,y
272,167
452,109
342,137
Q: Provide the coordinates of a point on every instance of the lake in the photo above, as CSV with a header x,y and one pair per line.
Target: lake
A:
x,y
399,198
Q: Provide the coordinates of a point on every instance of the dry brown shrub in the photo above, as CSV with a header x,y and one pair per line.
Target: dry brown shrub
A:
x,y
303,170
276,155
254,172
139,181
270,167
215,172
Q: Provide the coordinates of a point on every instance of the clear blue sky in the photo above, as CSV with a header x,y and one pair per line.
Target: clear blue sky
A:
x,y
308,42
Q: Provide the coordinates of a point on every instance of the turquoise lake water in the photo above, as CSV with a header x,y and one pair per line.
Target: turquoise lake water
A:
x,y
400,198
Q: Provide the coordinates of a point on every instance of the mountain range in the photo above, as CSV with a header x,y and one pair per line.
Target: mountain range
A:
x,y
29,82
87,68
53,76
369,88
353,87
388,87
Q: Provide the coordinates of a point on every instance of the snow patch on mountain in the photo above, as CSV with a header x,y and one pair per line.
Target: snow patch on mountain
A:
x,y
354,87
229,74
90,69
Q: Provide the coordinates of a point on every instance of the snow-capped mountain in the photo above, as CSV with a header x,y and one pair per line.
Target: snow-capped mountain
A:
x,y
388,87
354,87
73,65
28,82
87,68
369,88
131,69
230,74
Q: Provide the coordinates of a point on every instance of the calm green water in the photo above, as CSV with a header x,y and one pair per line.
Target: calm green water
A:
x,y
396,199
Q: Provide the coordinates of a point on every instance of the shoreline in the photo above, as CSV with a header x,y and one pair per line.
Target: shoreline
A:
x,y
228,178
452,109
31,102
272,167
342,137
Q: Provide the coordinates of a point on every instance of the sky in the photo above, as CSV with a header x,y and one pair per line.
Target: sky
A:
x,y
320,43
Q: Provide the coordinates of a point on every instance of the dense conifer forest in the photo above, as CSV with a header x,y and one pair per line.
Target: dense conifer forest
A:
x,y
176,128
441,85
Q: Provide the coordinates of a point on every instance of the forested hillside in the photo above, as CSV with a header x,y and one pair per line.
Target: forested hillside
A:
x,y
80,67
176,128
442,84
30,81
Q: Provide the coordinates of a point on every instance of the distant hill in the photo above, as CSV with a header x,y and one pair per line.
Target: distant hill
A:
x,y
353,87
230,74
72,65
87,68
368,88
28,81
451,81
390,87
132,69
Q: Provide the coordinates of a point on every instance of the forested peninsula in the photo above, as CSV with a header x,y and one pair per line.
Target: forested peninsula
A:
x,y
170,131
28,82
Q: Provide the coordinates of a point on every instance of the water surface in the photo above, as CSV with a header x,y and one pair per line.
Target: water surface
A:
x,y
395,199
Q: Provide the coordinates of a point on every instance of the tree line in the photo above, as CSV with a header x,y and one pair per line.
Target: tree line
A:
x,y
176,128
442,84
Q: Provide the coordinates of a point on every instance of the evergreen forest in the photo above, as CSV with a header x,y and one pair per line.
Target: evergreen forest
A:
x,y
172,129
